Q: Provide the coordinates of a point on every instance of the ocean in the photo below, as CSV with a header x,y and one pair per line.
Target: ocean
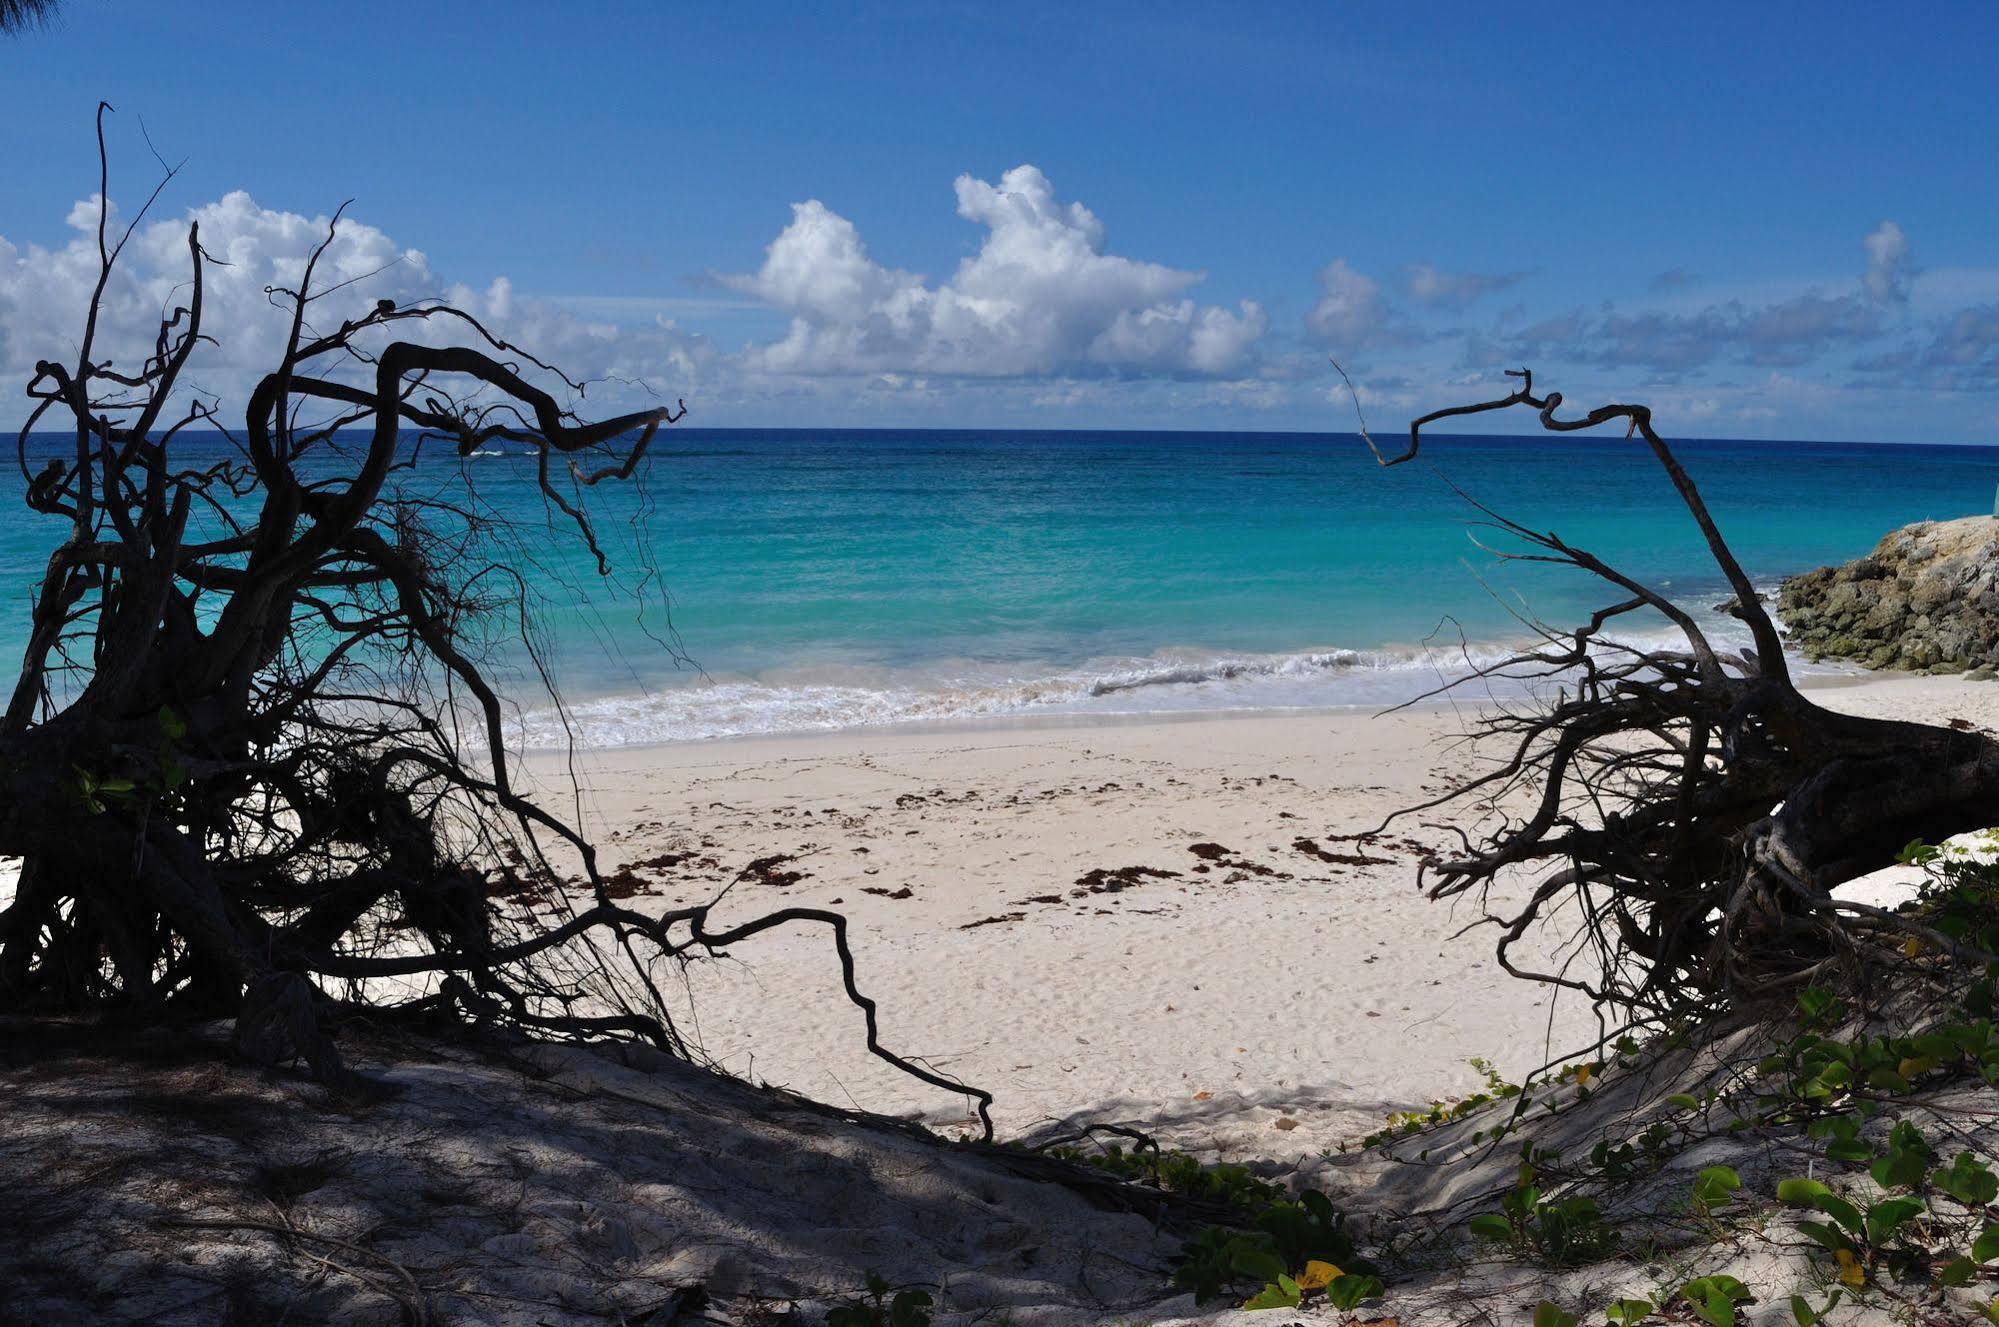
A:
x,y
817,580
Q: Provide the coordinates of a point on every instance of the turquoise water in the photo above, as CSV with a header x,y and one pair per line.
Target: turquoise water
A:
x,y
823,579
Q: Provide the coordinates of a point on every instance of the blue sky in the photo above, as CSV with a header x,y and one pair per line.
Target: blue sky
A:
x,y
1770,220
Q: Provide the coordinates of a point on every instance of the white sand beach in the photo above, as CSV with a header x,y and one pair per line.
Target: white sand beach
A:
x,y
1154,921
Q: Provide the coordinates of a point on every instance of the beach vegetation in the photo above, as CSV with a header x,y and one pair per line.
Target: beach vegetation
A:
x,y
1299,1249
1565,1231
882,1305
1885,1208
1405,1122
1178,1172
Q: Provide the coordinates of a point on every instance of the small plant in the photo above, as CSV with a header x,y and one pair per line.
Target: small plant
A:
x,y
1805,1315
1558,1232
1716,1186
1295,1249
1404,1122
1550,1314
1959,897
1352,1289
1817,1077
882,1305
1713,1299
1630,1312
1178,1172
97,794
1926,1209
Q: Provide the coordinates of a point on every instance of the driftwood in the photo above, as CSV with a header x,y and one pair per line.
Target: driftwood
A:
x,y
1691,804
252,747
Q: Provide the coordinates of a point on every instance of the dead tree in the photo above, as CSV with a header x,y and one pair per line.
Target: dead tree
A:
x,y
20,15
1692,804
253,761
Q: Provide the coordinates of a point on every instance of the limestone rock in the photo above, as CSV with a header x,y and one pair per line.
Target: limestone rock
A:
x,y
1925,600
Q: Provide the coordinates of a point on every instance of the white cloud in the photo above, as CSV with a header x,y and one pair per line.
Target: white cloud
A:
x,y
45,293
1785,332
1455,291
1890,265
1039,298
1351,314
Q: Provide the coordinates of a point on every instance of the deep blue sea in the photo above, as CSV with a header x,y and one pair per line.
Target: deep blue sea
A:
x,y
830,579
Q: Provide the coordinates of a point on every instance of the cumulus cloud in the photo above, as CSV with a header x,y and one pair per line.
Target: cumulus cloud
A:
x,y
1456,291
1351,314
1039,298
1890,265
45,292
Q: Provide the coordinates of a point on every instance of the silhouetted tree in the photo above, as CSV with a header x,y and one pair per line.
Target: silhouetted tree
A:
x,y
19,15
252,762
1692,805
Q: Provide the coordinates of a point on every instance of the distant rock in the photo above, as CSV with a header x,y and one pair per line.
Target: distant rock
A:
x,y
1925,600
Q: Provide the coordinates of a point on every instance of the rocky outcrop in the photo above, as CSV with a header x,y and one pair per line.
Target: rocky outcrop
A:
x,y
1925,600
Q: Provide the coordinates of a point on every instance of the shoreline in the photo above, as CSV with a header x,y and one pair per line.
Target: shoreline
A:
x,y
1827,680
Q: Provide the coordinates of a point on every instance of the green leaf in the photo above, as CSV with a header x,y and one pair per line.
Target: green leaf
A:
x,y
1801,1193
1824,1235
1957,1272
1802,1311
1714,1298
1916,853
1715,1186
1935,1046
1283,1294
1843,1127
1889,1215
1906,1137
1491,1225
1550,1314
1630,1312
1811,1193
1257,1264
1848,1149
1843,1212
1351,1290
1703,1286
1684,1102
1885,1079
1986,1247
1969,1180
908,1309
1899,1170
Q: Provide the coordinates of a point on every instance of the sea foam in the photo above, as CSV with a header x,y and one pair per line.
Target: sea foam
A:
x,y
805,700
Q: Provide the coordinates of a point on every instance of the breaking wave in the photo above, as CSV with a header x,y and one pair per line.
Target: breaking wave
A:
x,y
833,699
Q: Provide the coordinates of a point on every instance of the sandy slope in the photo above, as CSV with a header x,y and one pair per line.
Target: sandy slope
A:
x,y
1265,1001
149,1178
